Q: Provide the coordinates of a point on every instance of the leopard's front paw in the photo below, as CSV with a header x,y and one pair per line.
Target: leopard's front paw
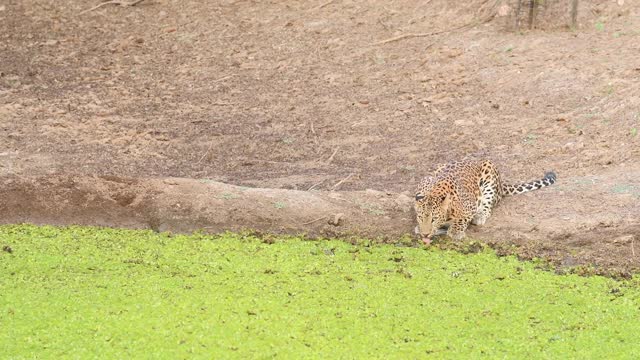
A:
x,y
456,235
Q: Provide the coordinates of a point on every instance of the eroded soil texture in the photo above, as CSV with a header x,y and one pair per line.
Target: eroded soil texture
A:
x,y
337,95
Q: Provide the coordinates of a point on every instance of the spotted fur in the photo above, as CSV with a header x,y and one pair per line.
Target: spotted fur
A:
x,y
461,193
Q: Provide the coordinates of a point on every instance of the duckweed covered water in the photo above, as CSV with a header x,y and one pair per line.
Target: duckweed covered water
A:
x,y
103,293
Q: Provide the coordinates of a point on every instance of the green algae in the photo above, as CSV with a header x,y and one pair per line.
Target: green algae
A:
x,y
84,292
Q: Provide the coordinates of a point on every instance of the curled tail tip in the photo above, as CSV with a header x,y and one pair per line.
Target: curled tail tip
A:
x,y
551,175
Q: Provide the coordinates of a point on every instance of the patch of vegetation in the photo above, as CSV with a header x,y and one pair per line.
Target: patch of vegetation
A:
x,y
609,89
407,168
626,189
372,209
227,196
83,292
287,140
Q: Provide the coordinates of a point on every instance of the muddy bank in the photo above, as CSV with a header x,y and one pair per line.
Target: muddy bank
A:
x,y
185,205
328,96
539,224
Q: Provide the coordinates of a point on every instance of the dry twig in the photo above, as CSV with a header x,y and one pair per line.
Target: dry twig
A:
x,y
341,181
405,36
314,185
415,35
315,136
322,5
114,2
224,78
330,159
425,48
205,153
315,220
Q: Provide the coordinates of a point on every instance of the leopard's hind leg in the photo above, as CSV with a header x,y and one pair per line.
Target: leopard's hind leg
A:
x,y
485,205
489,185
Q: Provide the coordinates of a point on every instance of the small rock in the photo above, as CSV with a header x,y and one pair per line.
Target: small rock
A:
x,y
404,202
569,261
462,122
573,145
374,192
504,10
170,182
337,220
625,239
7,248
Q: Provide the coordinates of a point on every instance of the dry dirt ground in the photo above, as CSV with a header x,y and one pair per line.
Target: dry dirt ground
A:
x,y
306,95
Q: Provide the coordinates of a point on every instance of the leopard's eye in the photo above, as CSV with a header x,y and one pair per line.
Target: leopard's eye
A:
x,y
419,197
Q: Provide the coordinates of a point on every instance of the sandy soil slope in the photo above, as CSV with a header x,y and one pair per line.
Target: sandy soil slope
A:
x,y
302,95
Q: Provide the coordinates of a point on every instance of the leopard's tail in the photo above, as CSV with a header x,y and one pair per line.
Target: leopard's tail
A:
x,y
548,179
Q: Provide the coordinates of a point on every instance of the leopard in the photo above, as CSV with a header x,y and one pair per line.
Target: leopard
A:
x,y
461,193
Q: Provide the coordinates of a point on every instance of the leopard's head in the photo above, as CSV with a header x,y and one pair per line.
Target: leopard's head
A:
x,y
432,208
